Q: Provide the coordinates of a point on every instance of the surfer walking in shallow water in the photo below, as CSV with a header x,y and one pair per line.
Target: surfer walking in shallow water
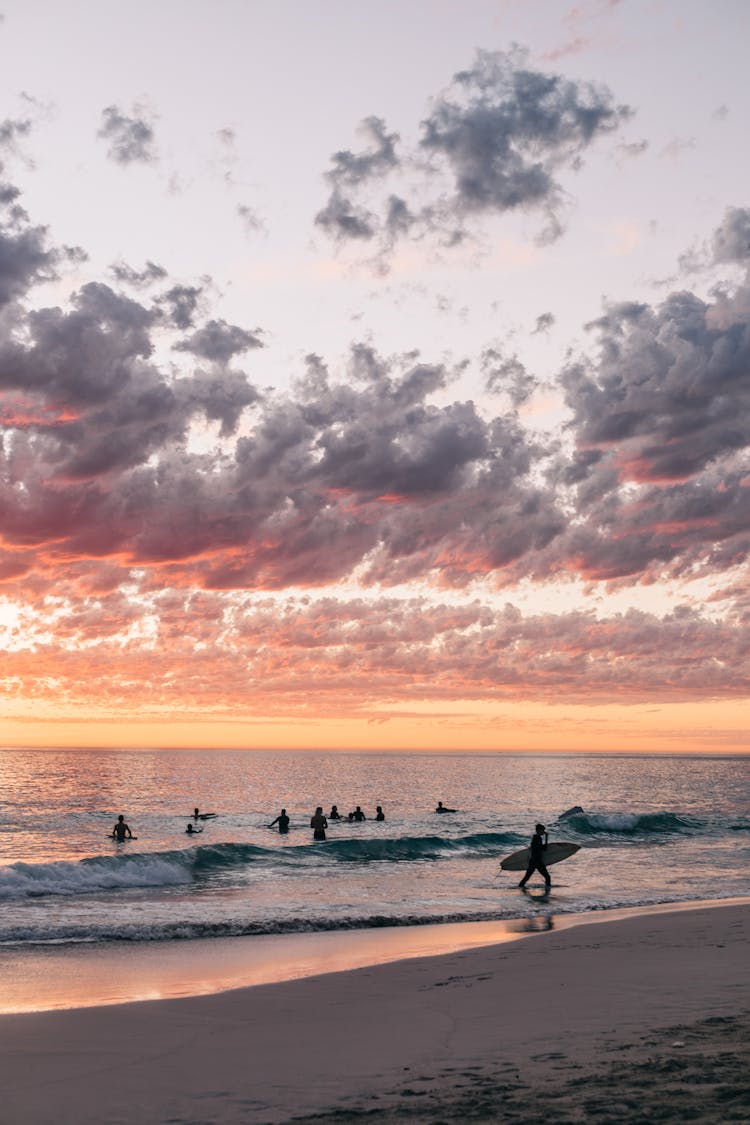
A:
x,y
536,857
318,823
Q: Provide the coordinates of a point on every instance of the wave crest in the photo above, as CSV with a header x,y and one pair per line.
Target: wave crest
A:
x,y
629,824
172,868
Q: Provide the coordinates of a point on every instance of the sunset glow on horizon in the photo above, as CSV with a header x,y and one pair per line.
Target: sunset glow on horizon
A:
x,y
409,419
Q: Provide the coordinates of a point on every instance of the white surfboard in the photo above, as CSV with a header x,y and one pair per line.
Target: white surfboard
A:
x,y
553,853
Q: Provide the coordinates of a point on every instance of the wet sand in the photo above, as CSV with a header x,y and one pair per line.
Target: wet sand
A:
x,y
643,1019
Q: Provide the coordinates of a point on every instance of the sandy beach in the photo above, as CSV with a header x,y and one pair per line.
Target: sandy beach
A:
x,y
644,1019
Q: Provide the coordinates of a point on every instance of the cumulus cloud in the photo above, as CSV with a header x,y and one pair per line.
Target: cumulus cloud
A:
x,y
131,138
506,374
497,140
220,342
180,305
662,481
370,470
25,256
731,241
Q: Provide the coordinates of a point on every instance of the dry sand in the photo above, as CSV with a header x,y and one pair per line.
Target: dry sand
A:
x,y
639,1020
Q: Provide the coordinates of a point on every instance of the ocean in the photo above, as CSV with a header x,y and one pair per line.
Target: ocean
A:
x,y
653,829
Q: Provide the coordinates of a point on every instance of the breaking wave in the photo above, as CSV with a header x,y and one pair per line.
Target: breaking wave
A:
x,y
629,824
172,868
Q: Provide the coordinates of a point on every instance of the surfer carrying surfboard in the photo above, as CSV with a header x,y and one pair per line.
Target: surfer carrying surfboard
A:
x,y
536,857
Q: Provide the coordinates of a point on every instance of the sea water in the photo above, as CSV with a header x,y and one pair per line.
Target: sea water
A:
x,y
653,829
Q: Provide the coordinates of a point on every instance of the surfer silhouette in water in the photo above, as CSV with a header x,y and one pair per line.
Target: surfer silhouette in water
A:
x,y
318,823
121,830
283,822
536,857
441,808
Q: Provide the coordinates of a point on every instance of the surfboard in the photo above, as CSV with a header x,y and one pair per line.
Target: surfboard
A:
x,y
124,840
553,853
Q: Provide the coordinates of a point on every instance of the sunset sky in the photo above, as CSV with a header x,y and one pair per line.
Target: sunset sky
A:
x,y
375,375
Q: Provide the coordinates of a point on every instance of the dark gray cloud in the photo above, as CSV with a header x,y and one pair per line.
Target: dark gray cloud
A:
x,y
505,130
11,130
220,342
343,219
180,304
350,169
25,257
668,388
139,279
131,138
504,374
660,478
495,141
731,242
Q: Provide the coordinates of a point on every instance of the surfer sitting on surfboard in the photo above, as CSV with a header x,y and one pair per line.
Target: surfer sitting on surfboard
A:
x,y
536,857
121,830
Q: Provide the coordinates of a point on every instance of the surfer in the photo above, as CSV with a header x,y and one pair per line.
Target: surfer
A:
x,y
536,857
379,814
121,830
441,808
334,814
358,815
198,815
318,823
192,831
283,822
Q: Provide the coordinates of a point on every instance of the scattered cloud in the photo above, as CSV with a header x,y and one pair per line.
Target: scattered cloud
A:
x,y
131,138
139,279
543,323
495,141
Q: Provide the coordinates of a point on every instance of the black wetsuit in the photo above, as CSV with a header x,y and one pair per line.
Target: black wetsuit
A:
x,y
536,860
319,824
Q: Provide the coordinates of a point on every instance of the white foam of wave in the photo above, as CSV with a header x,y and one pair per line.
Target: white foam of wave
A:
x,y
23,880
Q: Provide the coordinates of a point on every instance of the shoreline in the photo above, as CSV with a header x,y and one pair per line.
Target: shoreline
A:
x,y
644,1018
54,978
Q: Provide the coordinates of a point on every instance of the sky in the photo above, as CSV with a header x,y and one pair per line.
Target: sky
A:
x,y
375,375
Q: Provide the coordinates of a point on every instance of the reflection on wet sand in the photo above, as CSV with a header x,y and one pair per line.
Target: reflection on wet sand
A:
x,y
534,924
